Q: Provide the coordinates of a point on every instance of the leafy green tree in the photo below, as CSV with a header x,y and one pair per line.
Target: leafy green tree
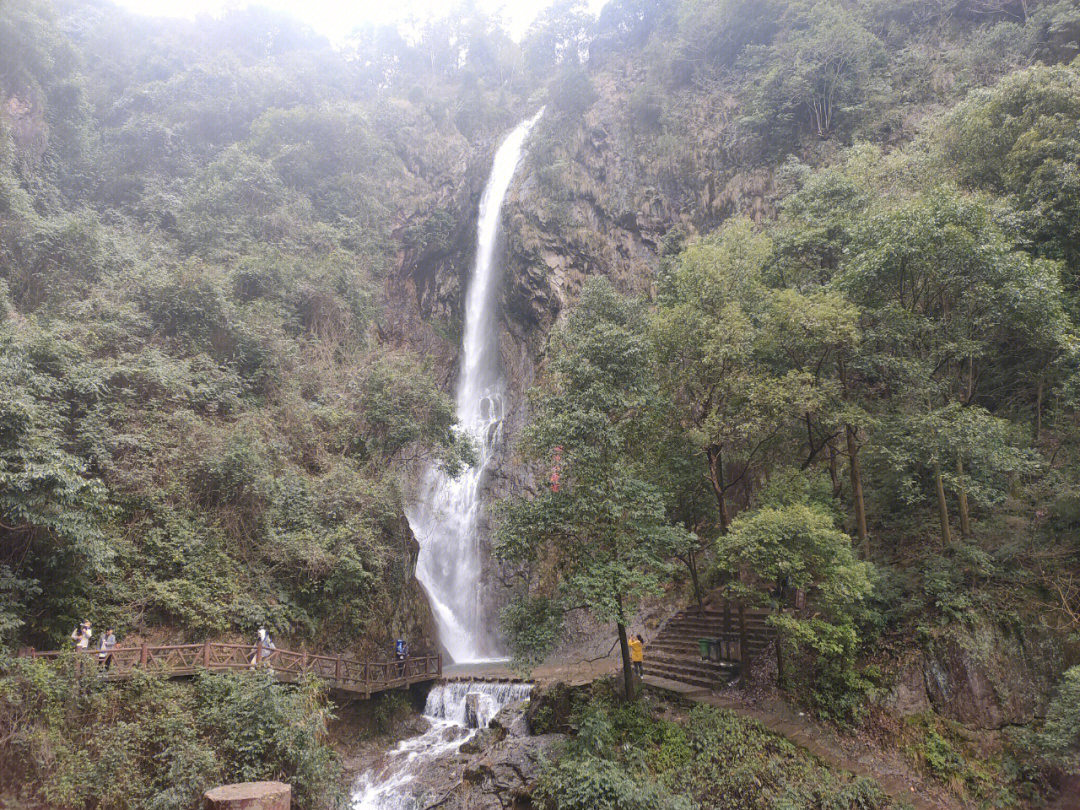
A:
x,y
604,528
1060,737
797,546
943,293
818,76
707,331
557,36
1020,139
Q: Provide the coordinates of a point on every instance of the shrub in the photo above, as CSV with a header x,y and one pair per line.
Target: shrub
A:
x,y
158,744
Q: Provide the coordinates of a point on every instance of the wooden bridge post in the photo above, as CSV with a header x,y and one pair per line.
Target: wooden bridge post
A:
x,y
144,655
438,659
206,655
337,670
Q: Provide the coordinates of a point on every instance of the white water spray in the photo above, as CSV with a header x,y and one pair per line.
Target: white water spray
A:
x,y
445,517
398,780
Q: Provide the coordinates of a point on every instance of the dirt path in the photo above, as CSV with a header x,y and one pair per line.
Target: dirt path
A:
x,y
815,738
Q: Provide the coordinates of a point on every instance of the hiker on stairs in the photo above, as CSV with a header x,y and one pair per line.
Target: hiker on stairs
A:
x,y
637,654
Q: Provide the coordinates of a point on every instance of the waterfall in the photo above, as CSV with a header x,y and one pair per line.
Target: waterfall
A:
x,y
396,782
445,516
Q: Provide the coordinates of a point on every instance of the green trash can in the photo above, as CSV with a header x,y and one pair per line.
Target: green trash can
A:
x,y
703,645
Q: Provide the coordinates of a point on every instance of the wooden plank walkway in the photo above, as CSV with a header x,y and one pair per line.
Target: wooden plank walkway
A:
x,y
358,678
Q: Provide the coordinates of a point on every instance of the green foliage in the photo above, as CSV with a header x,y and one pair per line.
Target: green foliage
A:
x,y
1060,737
583,784
945,753
1018,140
798,546
160,745
605,526
648,754
818,76
572,92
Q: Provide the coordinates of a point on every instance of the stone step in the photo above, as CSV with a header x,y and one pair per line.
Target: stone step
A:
x,y
684,647
715,630
678,687
692,638
750,611
715,627
690,678
679,658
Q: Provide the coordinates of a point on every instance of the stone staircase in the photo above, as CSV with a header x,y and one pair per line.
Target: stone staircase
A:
x,y
674,655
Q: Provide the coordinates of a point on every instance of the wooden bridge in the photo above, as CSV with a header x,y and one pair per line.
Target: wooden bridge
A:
x,y
357,678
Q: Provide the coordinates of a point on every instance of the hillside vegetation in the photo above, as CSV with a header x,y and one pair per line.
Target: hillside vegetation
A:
x,y
231,275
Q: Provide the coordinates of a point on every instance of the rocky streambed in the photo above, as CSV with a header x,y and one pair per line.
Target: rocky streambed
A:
x,y
476,751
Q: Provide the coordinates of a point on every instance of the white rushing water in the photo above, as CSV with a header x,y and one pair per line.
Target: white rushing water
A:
x,y
446,514
395,784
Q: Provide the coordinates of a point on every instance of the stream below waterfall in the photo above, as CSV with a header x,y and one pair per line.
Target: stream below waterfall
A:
x,y
397,782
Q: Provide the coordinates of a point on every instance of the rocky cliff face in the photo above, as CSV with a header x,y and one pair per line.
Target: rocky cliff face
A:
x,y
985,675
598,195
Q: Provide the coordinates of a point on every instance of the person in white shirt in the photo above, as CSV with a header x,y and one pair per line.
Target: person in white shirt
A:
x,y
82,635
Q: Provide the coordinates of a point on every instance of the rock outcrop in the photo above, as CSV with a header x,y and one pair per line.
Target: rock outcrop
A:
x,y
984,675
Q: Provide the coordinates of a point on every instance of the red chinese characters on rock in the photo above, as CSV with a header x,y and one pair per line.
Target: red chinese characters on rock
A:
x,y
556,467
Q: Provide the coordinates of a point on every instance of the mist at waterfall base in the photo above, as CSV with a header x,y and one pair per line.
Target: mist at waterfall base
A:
x,y
393,784
445,515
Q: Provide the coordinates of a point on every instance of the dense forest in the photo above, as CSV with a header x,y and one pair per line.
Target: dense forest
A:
x,y
801,283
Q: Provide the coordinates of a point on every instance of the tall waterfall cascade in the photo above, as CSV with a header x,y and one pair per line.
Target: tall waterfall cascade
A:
x,y
397,782
445,516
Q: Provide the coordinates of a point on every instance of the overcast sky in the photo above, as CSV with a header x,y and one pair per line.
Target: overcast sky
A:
x,y
337,18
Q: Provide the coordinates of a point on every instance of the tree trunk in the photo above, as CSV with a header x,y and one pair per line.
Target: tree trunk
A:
x,y
961,494
855,470
716,477
691,563
856,491
781,673
628,667
743,652
1038,411
834,473
943,507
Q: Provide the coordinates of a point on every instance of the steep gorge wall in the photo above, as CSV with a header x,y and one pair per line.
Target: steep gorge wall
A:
x,y
589,200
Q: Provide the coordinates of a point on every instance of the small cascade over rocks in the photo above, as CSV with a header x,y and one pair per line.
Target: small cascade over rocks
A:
x,y
451,701
398,783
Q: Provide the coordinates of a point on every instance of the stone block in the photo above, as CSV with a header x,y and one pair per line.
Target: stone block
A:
x,y
249,796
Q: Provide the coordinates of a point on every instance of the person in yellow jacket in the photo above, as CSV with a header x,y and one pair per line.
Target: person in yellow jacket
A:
x,y
637,654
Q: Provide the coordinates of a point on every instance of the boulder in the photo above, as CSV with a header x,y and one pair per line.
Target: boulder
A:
x,y
505,775
511,721
550,707
249,796
472,710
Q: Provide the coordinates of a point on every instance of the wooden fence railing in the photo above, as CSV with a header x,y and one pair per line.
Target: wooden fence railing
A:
x,y
175,660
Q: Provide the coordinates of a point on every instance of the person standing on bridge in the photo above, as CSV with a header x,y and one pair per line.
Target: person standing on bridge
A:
x,y
637,654
108,641
264,646
82,635
401,650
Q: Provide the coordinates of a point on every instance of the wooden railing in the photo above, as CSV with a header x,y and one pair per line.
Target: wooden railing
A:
x,y
177,660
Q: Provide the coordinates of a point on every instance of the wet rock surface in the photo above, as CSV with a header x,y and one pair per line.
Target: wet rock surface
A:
x,y
505,775
984,675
